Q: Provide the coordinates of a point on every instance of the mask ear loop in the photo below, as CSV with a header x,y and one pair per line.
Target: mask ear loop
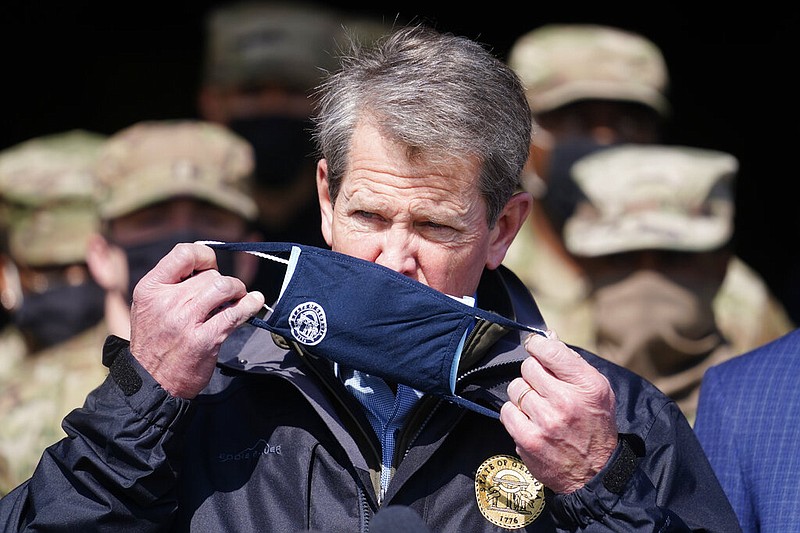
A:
x,y
262,255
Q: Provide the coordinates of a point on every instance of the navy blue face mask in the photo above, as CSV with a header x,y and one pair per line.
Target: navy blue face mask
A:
x,y
370,318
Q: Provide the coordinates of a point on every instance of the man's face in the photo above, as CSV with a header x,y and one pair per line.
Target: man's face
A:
x,y
155,222
149,233
424,221
604,122
224,104
688,269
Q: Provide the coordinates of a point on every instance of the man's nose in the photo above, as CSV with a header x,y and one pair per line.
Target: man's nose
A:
x,y
604,135
399,252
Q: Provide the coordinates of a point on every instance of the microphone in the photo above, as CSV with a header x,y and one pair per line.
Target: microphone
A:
x,y
397,519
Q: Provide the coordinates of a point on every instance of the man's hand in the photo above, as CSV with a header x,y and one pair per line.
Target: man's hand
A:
x,y
561,414
182,311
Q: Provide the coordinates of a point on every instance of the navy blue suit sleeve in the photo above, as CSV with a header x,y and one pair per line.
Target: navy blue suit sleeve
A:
x,y
747,420
716,430
115,470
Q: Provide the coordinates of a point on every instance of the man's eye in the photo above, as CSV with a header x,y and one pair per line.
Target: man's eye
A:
x,y
434,225
366,214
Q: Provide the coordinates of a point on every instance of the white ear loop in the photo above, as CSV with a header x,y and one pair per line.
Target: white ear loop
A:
x,y
290,263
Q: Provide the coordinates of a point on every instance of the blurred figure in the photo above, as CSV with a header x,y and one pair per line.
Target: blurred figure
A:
x,y
12,345
653,231
55,305
747,422
591,87
262,63
164,182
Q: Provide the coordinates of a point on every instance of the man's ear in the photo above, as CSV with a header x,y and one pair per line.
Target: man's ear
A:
x,y
10,286
325,203
107,263
508,224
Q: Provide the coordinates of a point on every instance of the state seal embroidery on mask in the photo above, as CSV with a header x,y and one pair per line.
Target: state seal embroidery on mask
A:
x,y
508,495
308,323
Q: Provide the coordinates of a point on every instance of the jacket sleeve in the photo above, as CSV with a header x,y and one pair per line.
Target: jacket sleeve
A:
x,y
660,481
117,468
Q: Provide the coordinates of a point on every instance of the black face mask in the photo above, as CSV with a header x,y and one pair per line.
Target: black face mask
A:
x,y
143,257
53,316
563,194
282,146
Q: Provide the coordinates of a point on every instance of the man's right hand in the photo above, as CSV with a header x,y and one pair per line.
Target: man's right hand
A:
x,y
182,311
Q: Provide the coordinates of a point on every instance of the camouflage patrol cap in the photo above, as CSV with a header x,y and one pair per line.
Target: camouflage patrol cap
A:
x,y
154,161
563,63
652,197
47,194
289,44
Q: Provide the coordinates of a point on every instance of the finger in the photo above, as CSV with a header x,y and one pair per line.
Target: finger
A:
x,y
559,373
208,292
181,262
236,313
521,397
518,424
517,390
554,358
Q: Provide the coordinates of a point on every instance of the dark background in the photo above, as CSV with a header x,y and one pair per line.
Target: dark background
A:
x,y
104,66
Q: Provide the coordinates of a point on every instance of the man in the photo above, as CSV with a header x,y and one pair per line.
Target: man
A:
x,y
653,233
261,63
55,305
747,422
424,139
159,183
591,87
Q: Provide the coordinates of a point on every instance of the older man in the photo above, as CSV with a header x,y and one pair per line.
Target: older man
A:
x,y
314,426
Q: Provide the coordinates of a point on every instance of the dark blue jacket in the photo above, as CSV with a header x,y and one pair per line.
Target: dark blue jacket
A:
x,y
275,443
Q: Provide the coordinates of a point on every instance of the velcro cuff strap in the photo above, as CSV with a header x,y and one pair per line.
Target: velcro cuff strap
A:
x,y
624,466
122,371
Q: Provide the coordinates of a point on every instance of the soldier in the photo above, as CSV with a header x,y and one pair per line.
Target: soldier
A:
x,y
164,182
56,306
652,231
591,87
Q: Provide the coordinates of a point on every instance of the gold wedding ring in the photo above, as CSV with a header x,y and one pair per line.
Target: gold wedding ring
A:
x,y
522,395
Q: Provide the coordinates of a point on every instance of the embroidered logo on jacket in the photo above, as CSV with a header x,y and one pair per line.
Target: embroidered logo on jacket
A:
x,y
308,323
508,495
260,448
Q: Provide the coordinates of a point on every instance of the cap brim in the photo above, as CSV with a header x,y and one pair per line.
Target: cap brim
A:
x,y
568,93
134,200
658,231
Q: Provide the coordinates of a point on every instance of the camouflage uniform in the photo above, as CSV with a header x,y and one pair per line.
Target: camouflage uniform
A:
x,y
654,197
49,213
45,387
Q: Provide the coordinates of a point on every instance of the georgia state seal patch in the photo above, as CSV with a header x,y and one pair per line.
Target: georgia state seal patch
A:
x,y
508,495
308,323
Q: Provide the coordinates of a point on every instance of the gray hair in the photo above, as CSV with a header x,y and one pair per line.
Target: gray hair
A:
x,y
443,97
